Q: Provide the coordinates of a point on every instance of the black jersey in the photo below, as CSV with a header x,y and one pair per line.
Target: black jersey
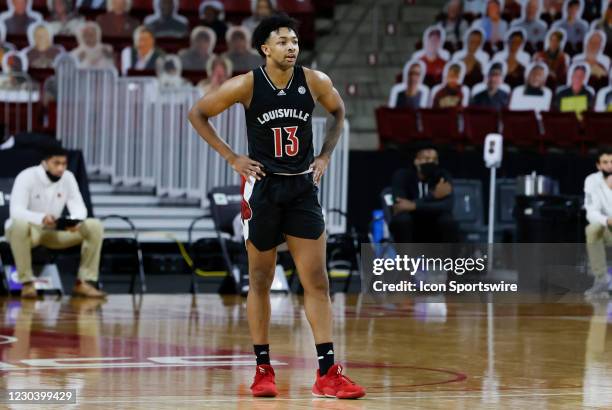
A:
x,y
279,123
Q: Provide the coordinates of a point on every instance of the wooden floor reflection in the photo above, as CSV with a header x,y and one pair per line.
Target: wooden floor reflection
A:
x,y
172,351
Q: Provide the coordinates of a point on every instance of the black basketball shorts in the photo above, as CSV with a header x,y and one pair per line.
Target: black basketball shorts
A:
x,y
279,205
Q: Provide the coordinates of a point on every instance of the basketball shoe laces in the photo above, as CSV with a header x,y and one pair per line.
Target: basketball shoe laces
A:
x,y
339,378
263,374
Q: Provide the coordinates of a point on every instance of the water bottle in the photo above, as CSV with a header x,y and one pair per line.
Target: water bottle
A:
x,y
378,225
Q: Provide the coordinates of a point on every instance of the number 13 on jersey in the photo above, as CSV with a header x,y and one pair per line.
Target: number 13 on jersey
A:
x,y
290,148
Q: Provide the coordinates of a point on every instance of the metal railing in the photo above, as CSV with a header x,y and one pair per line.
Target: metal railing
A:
x,y
18,94
139,134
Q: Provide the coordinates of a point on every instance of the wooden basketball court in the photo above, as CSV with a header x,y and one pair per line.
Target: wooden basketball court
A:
x,y
174,351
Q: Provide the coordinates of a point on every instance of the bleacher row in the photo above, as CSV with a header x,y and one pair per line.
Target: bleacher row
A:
x,y
522,129
234,10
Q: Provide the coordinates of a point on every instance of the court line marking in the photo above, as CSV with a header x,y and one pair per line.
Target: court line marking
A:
x,y
310,399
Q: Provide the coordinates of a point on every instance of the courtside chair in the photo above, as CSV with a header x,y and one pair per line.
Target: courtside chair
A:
x,y
126,245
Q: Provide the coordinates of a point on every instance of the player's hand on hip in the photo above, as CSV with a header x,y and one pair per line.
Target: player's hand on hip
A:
x,y
318,168
247,167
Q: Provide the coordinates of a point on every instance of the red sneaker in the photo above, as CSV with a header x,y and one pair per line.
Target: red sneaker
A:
x,y
335,384
264,384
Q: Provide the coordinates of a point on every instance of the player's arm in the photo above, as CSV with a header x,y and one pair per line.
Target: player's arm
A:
x,y
234,90
325,94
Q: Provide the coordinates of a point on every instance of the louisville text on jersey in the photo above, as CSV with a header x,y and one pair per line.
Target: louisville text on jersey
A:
x,y
283,113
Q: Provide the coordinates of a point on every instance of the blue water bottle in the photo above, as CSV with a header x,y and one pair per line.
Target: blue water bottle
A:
x,y
378,225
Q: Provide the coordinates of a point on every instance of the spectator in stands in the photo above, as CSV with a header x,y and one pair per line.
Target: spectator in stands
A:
x,y
143,54
534,95
260,9
515,58
531,23
451,93
474,7
576,96
434,57
166,22
14,64
42,52
4,45
452,21
492,96
203,42
552,10
605,23
573,24
598,207
117,22
411,93
604,97
492,24
38,198
512,10
594,45
212,15
423,201
19,17
239,51
64,18
218,69
169,70
472,56
91,53
554,56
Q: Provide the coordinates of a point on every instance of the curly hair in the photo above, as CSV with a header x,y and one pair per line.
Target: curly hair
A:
x,y
267,26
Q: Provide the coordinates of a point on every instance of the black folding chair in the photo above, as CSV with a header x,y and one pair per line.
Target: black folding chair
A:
x,y
225,205
126,245
343,250
6,185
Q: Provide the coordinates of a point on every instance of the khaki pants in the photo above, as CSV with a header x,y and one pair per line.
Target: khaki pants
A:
x,y
597,238
23,236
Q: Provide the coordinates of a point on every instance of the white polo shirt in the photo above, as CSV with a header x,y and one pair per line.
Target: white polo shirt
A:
x,y
34,196
597,199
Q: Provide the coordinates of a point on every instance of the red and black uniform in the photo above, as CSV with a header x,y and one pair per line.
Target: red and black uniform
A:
x,y
279,130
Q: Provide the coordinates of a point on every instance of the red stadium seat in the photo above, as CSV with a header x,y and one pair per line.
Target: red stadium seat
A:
x,y
521,128
478,122
397,126
597,126
40,75
561,129
441,125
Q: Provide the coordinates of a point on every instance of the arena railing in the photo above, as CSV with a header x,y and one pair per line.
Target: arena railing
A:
x,y
138,133
18,94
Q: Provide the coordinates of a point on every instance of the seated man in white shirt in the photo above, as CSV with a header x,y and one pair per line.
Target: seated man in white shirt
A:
x,y
598,204
38,198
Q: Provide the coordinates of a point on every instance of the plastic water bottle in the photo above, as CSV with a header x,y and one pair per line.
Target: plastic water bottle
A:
x,y
378,225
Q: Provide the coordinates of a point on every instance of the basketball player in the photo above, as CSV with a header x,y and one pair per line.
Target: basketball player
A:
x,y
280,177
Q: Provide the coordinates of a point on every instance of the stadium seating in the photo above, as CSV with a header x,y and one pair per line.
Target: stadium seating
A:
x,y
521,128
441,125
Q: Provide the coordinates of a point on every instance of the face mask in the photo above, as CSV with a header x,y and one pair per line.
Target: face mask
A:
x,y
52,177
606,174
428,170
